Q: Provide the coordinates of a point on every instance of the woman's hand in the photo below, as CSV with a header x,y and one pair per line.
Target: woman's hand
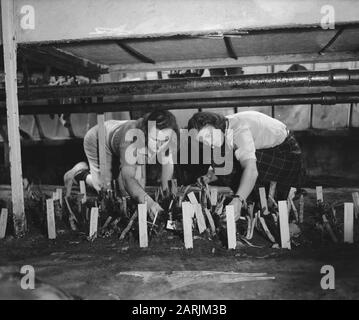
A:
x,y
237,203
154,209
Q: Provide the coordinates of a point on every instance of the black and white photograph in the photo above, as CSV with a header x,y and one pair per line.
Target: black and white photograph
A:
x,y
178,155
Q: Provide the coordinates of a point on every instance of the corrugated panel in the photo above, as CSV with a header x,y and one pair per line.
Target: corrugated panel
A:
x,y
181,49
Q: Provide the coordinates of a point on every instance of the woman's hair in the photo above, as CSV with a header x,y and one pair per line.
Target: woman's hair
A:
x,y
201,119
164,120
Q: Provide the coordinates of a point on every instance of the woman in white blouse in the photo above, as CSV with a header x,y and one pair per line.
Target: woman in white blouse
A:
x,y
263,148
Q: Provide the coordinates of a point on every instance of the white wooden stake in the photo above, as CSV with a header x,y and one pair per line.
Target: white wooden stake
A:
x,y
284,225
83,191
231,227
355,196
319,190
192,198
348,222
187,212
51,227
291,195
263,198
214,196
9,20
142,225
301,209
201,222
210,220
3,222
59,195
93,222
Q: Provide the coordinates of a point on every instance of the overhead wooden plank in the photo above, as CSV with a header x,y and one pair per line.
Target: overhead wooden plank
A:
x,y
142,225
231,227
284,225
187,214
40,20
3,222
50,213
348,222
9,47
257,60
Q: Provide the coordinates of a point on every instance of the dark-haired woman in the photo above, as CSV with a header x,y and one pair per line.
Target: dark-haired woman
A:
x,y
133,143
263,148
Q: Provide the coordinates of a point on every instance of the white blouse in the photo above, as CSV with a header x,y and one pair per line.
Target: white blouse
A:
x,y
249,131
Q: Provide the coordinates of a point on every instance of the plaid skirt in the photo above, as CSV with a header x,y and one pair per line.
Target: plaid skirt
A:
x,y
283,164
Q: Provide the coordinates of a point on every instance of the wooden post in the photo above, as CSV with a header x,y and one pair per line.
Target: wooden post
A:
x,y
348,222
51,228
319,190
142,225
201,223
231,227
83,191
187,212
284,225
101,148
12,107
263,198
355,196
3,222
93,222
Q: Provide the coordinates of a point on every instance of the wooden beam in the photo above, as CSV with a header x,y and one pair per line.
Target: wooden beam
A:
x,y
240,62
230,49
9,47
134,53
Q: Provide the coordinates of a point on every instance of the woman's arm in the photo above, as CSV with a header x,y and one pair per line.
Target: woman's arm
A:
x,y
248,179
